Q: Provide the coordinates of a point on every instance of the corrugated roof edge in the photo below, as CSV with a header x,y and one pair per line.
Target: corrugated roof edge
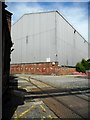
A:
x,y
59,14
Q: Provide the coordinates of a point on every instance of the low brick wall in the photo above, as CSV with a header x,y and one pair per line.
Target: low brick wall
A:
x,y
40,68
88,73
65,71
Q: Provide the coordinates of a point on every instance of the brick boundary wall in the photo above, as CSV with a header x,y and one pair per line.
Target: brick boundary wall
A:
x,y
88,73
65,71
46,68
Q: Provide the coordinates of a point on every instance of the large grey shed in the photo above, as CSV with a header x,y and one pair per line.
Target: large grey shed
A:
x,y
47,37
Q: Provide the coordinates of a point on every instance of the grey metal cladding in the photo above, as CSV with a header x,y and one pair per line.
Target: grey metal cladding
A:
x,y
46,36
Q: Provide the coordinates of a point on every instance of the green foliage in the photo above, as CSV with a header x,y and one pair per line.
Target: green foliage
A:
x,y
78,67
85,64
88,64
82,66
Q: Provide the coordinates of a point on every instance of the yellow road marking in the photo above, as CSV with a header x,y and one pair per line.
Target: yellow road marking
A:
x,y
43,108
25,89
26,111
50,117
25,102
43,117
15,116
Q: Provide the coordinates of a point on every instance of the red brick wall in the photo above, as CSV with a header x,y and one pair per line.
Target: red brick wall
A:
x,y
65,71
88,73
40,68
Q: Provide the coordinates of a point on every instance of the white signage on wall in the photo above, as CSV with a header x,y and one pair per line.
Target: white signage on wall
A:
x,y
48,59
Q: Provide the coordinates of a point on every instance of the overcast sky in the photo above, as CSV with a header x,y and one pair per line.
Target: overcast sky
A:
x,y
75,12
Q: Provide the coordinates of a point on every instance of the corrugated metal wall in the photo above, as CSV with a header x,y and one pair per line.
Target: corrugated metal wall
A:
x,y
71,47
34,38
42,37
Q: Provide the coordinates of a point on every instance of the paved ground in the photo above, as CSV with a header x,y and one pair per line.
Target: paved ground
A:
x,y
66,81
49,97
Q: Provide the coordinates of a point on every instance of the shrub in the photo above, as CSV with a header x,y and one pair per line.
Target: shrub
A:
x,y
88,61
80,67
85,64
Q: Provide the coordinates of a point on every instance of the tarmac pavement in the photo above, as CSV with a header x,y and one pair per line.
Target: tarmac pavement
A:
x,y
32,96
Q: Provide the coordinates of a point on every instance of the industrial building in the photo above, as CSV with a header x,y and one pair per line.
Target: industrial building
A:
x,y
44,37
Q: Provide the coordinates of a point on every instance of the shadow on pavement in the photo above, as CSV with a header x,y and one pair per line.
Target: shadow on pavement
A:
x,y
58,90
11,99
55,93
82,76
